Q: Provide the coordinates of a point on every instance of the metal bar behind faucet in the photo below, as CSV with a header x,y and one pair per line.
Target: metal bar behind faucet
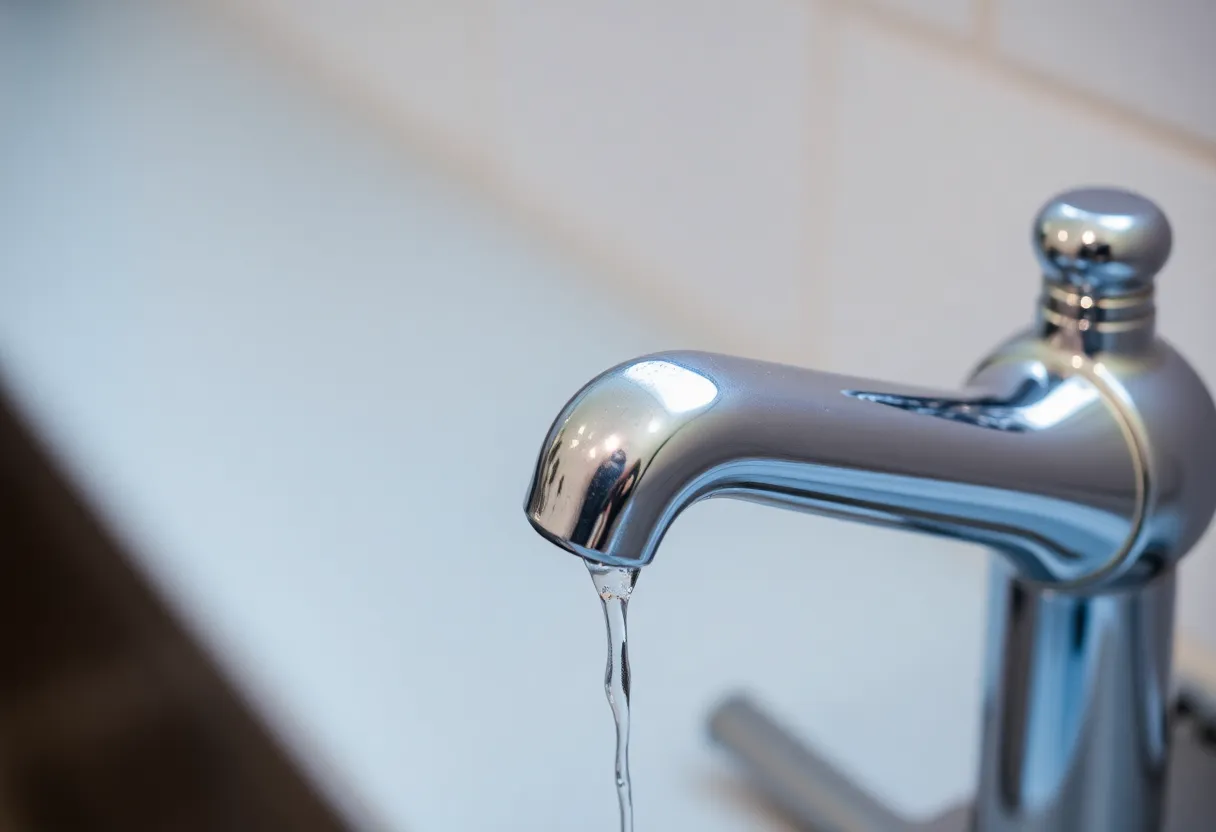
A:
x,y
812,792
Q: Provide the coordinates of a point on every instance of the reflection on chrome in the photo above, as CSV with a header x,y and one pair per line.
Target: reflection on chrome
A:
x,y
1034,407
679,389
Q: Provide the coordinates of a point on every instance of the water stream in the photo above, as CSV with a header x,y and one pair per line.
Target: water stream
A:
x,y
614,585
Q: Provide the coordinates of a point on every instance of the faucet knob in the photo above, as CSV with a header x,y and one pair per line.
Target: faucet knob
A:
x,y
1108,241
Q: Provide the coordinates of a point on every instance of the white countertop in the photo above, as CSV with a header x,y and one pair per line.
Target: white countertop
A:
x,y
306,381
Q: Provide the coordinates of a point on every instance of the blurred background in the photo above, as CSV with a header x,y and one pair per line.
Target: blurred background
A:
x,y
290,291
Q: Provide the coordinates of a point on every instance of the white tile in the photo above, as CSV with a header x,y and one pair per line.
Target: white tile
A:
x,y
424,59
939,169
1156,57
679,132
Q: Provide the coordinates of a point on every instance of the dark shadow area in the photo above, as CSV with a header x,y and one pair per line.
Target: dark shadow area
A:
x,y
111,717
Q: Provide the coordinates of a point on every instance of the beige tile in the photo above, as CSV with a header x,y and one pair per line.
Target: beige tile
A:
x,y
426,60
679,133
1156,57
938,171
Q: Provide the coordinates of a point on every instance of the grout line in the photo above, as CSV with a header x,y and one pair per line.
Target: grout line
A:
x,y
1038,82
600,259
984,24
485,58
821,176
338,85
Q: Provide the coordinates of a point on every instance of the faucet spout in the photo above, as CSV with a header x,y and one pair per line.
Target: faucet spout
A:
x,y
1038,465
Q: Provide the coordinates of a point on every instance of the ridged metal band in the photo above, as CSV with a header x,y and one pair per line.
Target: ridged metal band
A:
x,y
1104,327
1069,296
1070,306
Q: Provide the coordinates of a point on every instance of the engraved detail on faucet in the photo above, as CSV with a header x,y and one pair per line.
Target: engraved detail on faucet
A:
x,y
1032,406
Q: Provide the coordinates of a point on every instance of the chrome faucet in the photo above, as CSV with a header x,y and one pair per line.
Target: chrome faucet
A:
x,y
1082,452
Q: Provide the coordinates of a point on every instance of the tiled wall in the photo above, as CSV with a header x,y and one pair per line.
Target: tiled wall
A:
x,y
846,183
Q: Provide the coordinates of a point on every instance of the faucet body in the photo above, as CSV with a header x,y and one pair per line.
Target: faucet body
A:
x,y
1082,452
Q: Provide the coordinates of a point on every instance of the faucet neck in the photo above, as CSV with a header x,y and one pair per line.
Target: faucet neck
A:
x,y
1088,320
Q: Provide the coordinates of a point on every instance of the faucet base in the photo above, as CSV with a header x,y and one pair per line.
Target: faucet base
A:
x,y
818,797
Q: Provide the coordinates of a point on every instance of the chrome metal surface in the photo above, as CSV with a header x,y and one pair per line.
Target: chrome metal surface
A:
x,y
1082,451
1109,240
1100,250
1074,730
1046,456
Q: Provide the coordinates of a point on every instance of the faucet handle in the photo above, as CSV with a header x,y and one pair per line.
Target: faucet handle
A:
x,y
1105,241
